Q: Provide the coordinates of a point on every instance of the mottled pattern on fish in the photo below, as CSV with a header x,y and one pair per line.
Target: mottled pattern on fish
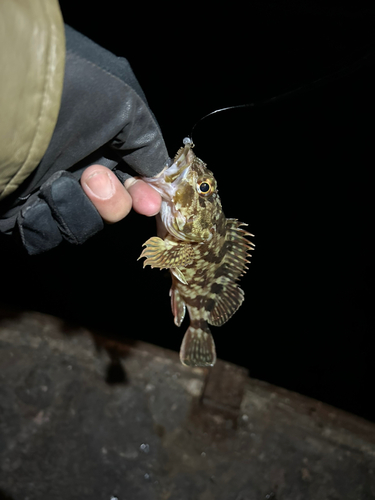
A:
x,y
205,252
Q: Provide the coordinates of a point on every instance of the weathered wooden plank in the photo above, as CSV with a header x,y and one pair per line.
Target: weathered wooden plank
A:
x,y
82,417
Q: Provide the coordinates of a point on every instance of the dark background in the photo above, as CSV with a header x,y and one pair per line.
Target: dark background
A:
x,y
299,171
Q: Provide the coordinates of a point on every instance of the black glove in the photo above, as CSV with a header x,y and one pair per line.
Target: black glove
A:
x,y
104,118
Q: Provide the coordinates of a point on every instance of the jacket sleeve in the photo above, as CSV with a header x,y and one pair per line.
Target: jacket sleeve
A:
x,y
32,58
103,118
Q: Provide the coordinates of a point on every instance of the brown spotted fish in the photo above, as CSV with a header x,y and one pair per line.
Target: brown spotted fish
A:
x,y
205,252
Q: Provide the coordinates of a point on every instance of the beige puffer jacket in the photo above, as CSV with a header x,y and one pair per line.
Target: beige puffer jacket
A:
x,y
32,56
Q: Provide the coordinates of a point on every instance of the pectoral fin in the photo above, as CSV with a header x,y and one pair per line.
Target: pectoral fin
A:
x,y
166,254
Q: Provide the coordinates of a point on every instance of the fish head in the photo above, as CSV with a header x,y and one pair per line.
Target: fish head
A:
x,y
190,200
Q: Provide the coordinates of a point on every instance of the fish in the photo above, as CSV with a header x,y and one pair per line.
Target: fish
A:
x,y
205,252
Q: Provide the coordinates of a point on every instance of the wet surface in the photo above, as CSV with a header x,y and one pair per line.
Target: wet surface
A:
x,y
86,417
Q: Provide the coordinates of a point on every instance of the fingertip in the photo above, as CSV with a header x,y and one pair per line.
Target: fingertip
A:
x,y
146,200
106,192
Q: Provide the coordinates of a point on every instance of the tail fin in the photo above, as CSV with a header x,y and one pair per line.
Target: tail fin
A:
x,y
198,347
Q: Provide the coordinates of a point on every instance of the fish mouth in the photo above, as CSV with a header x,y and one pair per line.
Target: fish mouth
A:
x,y
168,181
166,184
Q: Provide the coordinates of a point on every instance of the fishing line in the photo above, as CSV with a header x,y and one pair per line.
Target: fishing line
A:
x,y
367,58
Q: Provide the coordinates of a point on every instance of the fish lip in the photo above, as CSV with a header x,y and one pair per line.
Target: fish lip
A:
x,y
167,182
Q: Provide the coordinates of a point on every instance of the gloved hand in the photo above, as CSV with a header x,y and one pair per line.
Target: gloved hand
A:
x,y
104,120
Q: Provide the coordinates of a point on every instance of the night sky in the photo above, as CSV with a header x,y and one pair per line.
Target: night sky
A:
x,y
299,171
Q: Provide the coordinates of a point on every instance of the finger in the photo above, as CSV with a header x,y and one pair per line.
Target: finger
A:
x,y
146,200
106,192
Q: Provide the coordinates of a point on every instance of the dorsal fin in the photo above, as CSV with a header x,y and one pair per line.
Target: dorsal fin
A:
x,y
237,252
228,300
228,295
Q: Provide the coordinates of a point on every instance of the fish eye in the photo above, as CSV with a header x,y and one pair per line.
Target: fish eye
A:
x,y
205,187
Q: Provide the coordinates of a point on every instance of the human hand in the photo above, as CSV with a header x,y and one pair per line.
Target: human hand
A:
x,y
114,200
104,127
65,209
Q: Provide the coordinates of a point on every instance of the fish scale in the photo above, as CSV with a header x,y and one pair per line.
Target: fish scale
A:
x,y
205,252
